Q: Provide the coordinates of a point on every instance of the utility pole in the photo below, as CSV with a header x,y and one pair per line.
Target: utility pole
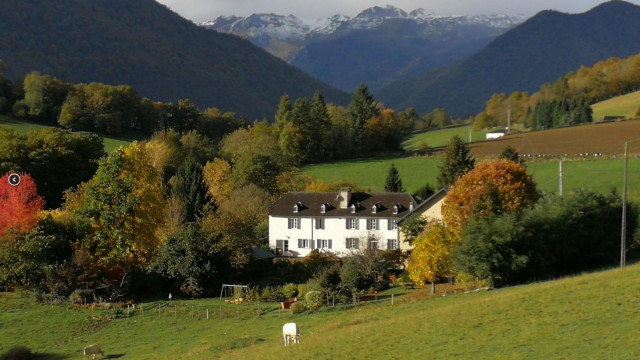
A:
x,y
623,236
560,176
509,119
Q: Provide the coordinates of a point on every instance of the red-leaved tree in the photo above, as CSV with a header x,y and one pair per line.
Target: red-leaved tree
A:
x,y
19,205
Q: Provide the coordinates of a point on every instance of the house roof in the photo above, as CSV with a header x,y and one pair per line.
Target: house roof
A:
x,y
429,202
310,204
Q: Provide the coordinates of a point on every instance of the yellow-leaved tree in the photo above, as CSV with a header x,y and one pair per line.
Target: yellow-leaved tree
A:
x,y
432,256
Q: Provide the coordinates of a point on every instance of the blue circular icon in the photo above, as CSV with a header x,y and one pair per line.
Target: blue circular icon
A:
x,y
14,179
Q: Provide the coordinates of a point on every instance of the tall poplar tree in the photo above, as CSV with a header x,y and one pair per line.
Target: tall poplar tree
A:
x,y
362,108
189,187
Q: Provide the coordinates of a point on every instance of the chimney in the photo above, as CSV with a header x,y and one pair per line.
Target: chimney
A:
x,y
345,197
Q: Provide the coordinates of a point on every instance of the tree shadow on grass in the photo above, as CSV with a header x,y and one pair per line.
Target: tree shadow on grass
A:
x,y
113,356
24,353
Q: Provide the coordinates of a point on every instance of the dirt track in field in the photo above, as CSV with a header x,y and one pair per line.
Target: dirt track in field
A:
x,y
606,138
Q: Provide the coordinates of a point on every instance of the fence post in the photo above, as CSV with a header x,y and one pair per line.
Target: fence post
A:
x,y
128,309
158,310
175,311
207,314
391,299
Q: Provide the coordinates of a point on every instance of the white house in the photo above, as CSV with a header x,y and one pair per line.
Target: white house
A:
x,y
495,134
339,222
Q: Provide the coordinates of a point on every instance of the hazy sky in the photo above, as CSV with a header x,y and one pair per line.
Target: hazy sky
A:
x,y
202,10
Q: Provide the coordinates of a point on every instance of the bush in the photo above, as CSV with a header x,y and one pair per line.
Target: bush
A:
x,y
303,289
314,300
297,307
272,293
82,296
290,290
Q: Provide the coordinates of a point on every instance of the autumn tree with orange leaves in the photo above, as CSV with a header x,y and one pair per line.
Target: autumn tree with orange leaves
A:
x,y
19,205
493,187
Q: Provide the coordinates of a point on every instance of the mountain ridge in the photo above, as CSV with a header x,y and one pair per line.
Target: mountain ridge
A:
x,y
543,48
396,42
146,45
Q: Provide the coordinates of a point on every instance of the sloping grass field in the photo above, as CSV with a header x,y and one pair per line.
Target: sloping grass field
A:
x,y
625,105
438,138
110,142
593,316
598,175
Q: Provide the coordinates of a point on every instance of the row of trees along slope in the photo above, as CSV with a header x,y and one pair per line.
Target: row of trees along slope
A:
x,y
497,226
540,50
144,44
567,100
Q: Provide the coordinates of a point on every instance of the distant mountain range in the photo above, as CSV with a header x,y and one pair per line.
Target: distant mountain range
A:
x,y
379,45
143,44
540,50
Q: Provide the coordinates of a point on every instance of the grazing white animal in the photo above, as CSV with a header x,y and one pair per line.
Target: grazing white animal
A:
x,y
92,350
290,332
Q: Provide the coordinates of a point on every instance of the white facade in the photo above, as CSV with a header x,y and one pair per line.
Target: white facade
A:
x,y
298,236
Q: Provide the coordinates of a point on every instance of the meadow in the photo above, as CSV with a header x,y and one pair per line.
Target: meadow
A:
x,y
110,142
598,175
591,316
624,105
438,138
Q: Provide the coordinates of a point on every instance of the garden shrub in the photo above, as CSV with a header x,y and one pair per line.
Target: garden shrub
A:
x,y
290,291
297,307
314,300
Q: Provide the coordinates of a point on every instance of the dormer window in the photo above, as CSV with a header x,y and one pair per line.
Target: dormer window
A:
x,y
297,207
396,209
353,208
375,208
323,208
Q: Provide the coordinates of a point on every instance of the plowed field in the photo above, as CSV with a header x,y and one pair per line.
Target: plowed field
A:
x,y
605,138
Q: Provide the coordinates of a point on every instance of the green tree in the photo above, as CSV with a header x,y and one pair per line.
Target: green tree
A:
x,y
320,126
511,154
189,187
56,159
457,161
123,206
44,96
412,226
190,258
362,108
283,114
393,183
424,192
489,248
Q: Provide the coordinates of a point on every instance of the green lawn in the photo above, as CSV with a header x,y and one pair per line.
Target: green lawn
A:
x,y
592,316
415,171
437,138
110,142
625,105
596,175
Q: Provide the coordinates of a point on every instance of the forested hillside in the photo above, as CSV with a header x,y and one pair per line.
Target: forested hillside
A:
x,y
542,49
143,44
